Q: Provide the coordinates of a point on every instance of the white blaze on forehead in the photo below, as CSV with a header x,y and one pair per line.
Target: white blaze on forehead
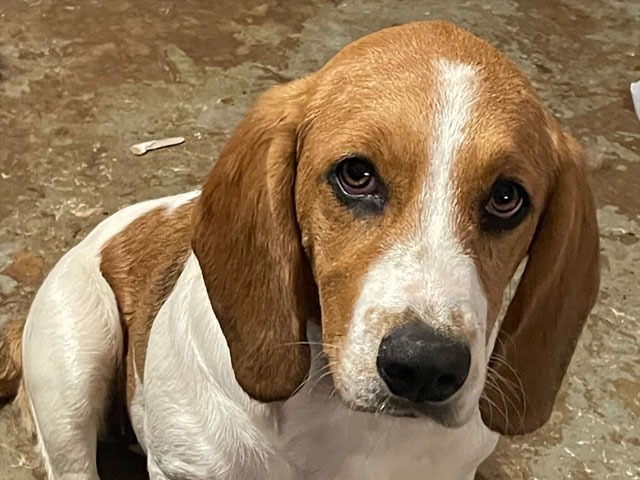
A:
x,y
455,95
428,270
449,272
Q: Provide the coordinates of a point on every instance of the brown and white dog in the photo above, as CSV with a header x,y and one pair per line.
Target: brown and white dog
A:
x,y
363,221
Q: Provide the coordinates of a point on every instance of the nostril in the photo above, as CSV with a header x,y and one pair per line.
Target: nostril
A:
x,y
442,388
401,378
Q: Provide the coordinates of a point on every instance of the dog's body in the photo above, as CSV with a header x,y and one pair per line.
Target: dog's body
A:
x,y
312,436
302,318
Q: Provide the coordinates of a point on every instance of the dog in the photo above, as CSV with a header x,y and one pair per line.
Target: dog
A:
x,y
328,305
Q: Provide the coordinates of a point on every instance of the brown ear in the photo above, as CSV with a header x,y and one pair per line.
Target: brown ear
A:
x,y
247,242
554,297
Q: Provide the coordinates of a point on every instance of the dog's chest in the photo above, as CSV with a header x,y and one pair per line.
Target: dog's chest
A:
x,y
191,416
327,440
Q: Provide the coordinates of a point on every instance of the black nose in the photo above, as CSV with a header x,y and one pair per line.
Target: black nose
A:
x,y
422,365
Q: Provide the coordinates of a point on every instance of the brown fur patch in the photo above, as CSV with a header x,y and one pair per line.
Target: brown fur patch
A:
x,y
10,357
142,264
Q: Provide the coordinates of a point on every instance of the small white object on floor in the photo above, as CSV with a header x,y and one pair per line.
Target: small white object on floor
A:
x,y
635,96
144,147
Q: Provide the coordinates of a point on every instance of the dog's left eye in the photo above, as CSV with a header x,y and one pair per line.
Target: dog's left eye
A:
x,y
507,205
505,200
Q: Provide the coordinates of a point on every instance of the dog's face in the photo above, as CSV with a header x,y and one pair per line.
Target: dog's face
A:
x,y
417,197
424,170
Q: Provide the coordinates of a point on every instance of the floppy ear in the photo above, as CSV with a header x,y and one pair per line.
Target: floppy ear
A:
x,y
247,242
554,297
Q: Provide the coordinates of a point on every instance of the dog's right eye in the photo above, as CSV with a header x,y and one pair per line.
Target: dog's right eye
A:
x,y
356,177
356,184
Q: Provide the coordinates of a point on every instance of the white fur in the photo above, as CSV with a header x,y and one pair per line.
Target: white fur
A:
x,y
328,440
428,272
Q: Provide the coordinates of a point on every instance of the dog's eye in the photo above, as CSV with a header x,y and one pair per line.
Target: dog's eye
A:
x,y
505,200
357,185
506,206
356,177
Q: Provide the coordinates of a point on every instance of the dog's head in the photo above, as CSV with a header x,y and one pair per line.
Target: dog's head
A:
x,y
392,195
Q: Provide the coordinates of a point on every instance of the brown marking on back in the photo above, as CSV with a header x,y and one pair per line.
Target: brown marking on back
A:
x,y
142,264
11,357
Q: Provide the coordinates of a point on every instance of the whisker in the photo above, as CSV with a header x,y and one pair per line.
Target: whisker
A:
x,y
520,386
383,406
509,338
513,387
505,411
516,395
316,377
320,375
493,406
492,382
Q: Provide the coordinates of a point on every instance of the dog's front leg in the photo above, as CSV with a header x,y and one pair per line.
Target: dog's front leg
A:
x,y
198,423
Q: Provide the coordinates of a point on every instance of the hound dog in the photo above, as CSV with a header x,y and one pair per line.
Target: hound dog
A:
x,y
328,305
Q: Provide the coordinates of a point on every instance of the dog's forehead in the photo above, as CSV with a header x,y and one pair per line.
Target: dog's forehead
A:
x,y
395,78
408,54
